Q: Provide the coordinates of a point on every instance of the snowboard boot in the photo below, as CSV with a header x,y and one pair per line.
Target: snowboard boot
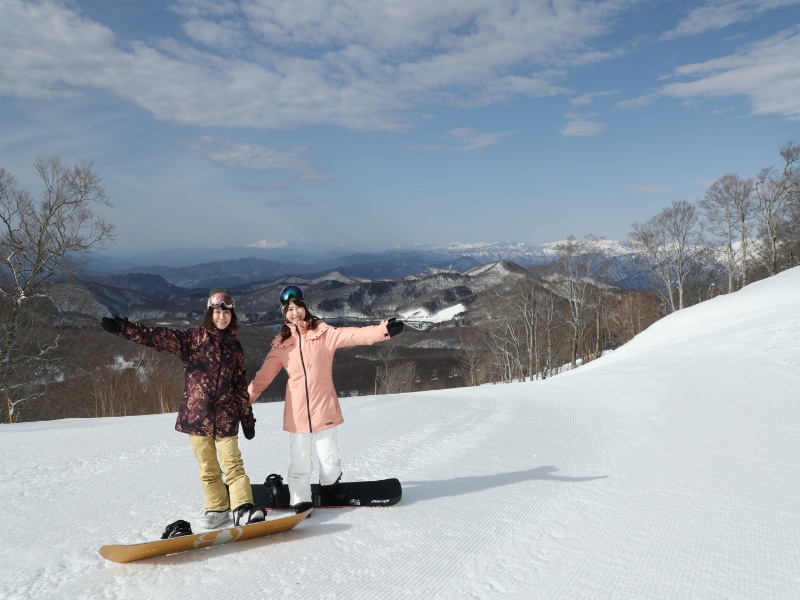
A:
x,y
334,494
247,514
176,529
213,519
278,493
302,507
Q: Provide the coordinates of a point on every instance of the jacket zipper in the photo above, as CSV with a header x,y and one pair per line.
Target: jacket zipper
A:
x,y
305,377
216,390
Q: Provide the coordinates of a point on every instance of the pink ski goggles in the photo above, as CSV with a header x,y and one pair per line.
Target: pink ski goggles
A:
x,y
221,300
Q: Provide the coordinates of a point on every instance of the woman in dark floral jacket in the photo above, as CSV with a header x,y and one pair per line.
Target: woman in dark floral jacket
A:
x,y
215,400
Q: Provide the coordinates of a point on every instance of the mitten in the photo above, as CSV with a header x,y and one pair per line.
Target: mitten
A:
x,y
249,432
112,325
393,326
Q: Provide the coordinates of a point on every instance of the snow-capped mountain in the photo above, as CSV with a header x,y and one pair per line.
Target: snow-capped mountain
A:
x,y
239,266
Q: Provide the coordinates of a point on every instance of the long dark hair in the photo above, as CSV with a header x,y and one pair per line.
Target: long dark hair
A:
x,y
208,322
311,319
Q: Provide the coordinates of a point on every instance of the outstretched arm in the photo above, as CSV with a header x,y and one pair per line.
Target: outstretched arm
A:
x,y
271,367
162,339
359,336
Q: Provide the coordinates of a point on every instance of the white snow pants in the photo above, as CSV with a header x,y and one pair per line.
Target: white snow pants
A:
x,y
326,443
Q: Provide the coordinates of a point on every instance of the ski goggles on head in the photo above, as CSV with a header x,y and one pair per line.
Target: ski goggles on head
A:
x,y
221,300
289,293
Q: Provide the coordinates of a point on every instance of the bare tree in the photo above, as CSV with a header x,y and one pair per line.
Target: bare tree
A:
x,y
634,312
394,375
39,241
772,208
790,176
729,208
549,325
503,339
471,356
577,265
672,241
524,331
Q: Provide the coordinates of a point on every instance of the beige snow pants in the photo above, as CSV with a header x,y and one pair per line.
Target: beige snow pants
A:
x,y
205,451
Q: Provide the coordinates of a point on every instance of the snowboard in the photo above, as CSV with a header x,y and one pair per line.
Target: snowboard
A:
x,y
123,553
379,493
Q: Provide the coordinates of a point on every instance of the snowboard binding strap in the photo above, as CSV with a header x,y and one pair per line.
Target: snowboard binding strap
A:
x,y
277,492
177,529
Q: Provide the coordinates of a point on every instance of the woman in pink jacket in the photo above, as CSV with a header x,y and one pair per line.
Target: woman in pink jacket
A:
x,y
305,348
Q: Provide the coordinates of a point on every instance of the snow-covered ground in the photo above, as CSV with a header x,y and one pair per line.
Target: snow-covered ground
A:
x,y
423,315
669,469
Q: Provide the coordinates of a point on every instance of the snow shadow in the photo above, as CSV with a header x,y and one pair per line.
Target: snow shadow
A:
x,y
458,486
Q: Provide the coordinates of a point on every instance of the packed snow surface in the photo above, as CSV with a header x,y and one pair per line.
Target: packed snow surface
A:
x,y
668,469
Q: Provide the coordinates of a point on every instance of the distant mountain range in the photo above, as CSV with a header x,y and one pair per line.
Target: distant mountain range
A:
x,y
206,268
427,298
430,284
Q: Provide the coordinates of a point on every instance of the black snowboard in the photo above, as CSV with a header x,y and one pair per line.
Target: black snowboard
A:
x,y
384,492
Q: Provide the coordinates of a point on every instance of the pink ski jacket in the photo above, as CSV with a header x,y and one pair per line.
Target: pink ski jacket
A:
x,y
311,400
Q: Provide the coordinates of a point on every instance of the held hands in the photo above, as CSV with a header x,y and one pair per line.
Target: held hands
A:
x,y
112,325
393,326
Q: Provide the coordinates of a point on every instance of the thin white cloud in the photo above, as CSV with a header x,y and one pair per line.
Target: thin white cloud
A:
x,y
581,125
282,63
718,14
588,99
464,139
766,73
48,51
579,128
223,35
255,157
639,102
192,9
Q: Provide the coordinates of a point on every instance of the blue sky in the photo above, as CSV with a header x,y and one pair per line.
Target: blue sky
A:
x,y
387,123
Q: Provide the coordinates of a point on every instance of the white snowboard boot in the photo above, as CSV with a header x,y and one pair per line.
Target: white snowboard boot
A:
x,y
214,519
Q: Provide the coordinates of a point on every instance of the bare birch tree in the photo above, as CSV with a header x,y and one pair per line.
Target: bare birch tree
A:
x,y
471,356
672,242
729,207
503,340
772,209
39,241
577,264
790,176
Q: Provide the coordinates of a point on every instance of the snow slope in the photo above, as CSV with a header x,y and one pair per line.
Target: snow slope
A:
x,y
668,469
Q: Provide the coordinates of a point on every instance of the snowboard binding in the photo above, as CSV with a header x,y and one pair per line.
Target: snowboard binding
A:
x,y
277,492
335,494
177,529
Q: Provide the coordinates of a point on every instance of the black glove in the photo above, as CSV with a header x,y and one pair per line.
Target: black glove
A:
x,y
394,327
249,430
112,325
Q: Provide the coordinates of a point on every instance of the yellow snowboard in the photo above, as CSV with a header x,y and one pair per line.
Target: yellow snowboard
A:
x,y
123,553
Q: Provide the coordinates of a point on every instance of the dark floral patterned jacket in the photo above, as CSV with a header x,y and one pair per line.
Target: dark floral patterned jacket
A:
x,y
215,396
